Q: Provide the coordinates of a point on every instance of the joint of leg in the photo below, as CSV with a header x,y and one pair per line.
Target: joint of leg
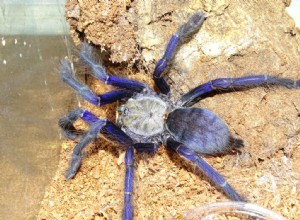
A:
x,y
99,100
212,85
82,113
106,80
223,184
129,165
177,148
156,77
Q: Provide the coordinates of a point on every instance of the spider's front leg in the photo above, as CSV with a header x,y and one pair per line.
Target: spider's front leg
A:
x,y
208,170
193,24
86,55
99,100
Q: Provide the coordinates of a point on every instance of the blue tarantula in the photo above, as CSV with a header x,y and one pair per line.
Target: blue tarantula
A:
x,y
147,119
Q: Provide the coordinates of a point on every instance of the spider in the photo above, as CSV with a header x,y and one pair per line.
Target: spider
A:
x,y
146,119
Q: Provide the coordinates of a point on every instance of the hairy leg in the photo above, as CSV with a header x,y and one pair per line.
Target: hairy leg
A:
x,y
96,125
128,183
77,155
192,25
234,84
208,170
86,55
86,93
146,147
66,122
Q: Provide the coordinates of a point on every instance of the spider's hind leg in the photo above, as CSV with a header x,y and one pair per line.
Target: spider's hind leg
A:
x,y
128,183
208,170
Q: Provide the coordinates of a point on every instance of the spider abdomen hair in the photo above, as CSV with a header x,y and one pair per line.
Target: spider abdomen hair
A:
x,y
199,129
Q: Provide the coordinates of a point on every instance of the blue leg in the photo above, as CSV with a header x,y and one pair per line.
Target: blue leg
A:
x,y
66,122
113,132
114,95
234,84
128,185
97,125
91,135
86,55
145,147
110,130
86,93
208,170
193,24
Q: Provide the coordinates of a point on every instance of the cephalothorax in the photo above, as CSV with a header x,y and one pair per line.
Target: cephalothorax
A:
x,y
148,119
143,115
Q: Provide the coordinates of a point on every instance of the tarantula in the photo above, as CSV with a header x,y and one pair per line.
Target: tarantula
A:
x,y
148,119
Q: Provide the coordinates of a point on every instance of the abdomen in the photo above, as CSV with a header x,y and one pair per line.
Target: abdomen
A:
x,y
199,130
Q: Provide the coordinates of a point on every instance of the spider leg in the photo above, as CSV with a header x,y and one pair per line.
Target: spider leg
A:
x,y
86,55
113,132
128,184
110,130
96,125
193,24
77,152
145,147
86,93
208,170
66,122
233,84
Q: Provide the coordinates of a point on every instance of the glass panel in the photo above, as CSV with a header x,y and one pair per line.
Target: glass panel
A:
x,y
32,41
